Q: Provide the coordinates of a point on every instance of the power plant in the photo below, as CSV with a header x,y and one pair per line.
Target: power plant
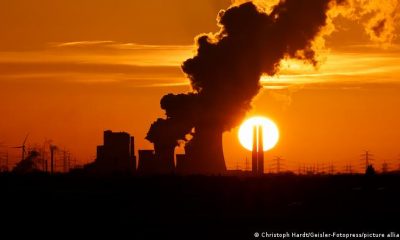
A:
x,y
117,154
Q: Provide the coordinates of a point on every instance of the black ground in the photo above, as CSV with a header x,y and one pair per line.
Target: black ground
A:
x,y
173,207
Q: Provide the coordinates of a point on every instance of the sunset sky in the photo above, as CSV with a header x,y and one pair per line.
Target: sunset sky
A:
x,y
70,69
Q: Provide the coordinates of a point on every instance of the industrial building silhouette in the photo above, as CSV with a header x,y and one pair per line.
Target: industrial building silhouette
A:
x,y
149,163
117,155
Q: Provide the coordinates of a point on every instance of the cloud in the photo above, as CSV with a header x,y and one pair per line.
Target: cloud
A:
x,y
98,62
158,65
82,43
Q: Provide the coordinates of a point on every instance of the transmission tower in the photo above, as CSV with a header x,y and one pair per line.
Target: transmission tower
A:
x,y
367,158
246,167
331,169
349,169
278,164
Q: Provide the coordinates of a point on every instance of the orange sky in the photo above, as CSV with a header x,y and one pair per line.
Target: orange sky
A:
x,y
70,69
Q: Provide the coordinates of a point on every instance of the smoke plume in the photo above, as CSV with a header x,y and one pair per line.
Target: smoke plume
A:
x,y
225,72
380,18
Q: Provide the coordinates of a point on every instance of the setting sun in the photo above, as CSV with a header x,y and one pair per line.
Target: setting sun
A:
x,y
270,132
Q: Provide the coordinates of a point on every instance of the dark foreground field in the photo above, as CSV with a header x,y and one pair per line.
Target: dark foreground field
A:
x,y
173,207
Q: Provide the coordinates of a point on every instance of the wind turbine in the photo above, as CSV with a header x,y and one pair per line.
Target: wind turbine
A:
x,y
22,147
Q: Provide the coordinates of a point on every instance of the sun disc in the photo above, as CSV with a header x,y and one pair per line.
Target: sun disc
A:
x,y
270,133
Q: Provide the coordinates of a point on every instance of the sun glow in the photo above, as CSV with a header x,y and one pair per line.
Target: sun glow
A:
x,y
270,132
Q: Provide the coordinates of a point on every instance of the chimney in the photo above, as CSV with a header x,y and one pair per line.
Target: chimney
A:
x,y
254,152
260,153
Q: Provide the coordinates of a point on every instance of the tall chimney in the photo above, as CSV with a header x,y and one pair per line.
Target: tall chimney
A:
x,y
254,152
260,153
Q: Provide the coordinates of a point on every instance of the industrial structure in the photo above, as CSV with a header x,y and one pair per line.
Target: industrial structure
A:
x,y
146,163
116,155
258,151
181,163
150,163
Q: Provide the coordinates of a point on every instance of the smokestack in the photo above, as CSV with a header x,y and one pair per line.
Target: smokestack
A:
x,y
260,153
254,152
